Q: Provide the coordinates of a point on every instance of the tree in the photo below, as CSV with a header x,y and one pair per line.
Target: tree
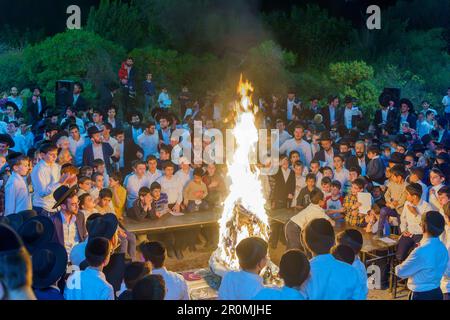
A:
x,y
75,55
355,78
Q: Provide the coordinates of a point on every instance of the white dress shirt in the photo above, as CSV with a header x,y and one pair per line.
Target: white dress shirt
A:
x,y
240,285
17,196
152,177
176,286
425,266
348,114
45,180
77,148
173,188
433,197
283,293
302,147
70,232
133,183
409,221
89,284
149,143
98,151
184,177
311,212
331,279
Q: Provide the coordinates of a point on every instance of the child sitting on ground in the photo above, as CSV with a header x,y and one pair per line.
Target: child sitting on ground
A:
x,y
142,207
326,187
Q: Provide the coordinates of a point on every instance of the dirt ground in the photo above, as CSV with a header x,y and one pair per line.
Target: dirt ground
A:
x,y
199,259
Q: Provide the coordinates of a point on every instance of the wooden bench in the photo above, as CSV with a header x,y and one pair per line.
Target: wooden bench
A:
x,y
169,222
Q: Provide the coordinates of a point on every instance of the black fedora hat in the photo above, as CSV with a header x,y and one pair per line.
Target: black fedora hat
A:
x,y
13,220
348,99
12,104
49,264
36,231
9,239
6,138
325,136
27,214
93,130
418,147
408,103
104,226
398,158
62,193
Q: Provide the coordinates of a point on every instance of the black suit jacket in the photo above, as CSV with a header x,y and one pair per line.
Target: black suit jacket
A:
x,y
129,154
376,171
320,155
282,188
325,112
81,104
33,109
390,123
88,155
59,233
352,161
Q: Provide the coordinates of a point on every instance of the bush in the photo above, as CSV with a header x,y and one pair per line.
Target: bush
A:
x,y
75,55
10,66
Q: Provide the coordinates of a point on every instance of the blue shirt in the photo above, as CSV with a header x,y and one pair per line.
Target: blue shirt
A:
x,y
331,279
149,88
425,266
283,293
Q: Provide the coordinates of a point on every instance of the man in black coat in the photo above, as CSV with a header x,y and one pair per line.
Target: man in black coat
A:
x,y
96,148
326,152
386,117
331,113
37,104
375,167
77,100
129,151
407,114
359,159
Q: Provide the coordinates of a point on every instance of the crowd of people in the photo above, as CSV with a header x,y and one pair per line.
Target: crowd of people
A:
x,y
71,174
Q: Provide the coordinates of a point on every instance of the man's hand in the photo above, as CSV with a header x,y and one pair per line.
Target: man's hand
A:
x,y
176,208
407,234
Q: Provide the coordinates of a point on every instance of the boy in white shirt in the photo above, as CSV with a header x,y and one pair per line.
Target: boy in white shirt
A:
x,y
17,195
330,279
437,179
246,283
426,264
354,239
340,173
294,270
410,220
91,284
155,253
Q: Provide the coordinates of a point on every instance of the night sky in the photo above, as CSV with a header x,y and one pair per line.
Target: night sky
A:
x,y
50,15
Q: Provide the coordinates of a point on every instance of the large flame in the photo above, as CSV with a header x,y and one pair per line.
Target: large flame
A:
x,y
245,189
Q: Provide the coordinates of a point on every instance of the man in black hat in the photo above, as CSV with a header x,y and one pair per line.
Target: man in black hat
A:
x,y
386,116
11,110
15,267
49,266
97,150
70,226
327,152
37,105
6,142
407,114
78,101
351,116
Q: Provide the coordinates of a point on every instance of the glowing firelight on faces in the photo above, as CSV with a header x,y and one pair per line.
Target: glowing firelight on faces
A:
x,y
246,187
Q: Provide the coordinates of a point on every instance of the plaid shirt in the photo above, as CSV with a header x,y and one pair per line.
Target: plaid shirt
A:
x,y
353,220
